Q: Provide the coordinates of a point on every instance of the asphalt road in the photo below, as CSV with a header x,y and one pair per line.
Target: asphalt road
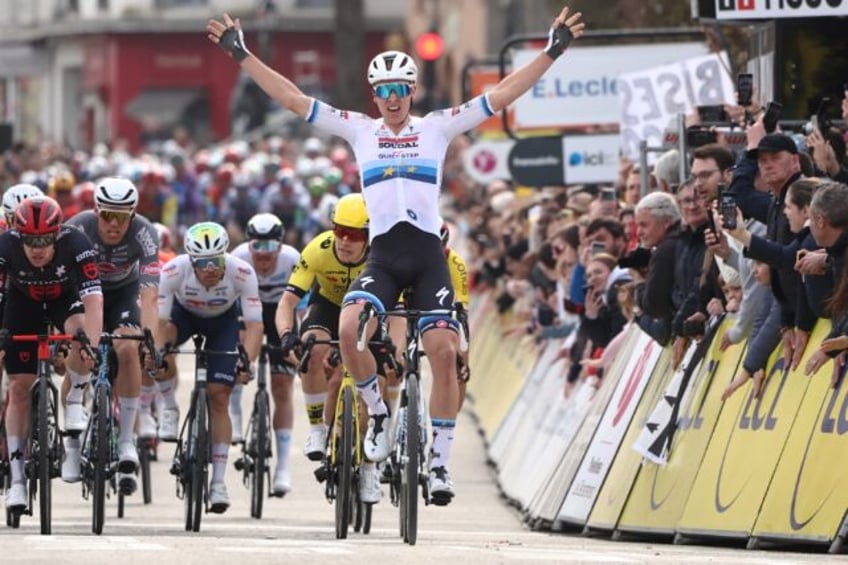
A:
x,y
478,527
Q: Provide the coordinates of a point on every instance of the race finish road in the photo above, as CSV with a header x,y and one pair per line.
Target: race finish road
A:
x,y
478,527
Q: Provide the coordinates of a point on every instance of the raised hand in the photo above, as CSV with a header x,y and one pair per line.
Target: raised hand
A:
x,y
564,30
229,36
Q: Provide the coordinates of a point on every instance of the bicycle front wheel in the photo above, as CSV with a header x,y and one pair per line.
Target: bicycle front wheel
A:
x,y
101,457
144,469
344,466
44,463
198,458
412,463
258,442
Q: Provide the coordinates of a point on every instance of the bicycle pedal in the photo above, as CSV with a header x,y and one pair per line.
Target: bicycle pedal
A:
x,y
321,474
239,464
441,498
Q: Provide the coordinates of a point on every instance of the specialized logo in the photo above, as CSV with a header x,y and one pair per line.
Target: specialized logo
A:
x,y
443,293
366,281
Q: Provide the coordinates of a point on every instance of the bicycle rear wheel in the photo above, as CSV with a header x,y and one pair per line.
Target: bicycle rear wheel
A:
x,y
101,457
198,457
344,466
44,463
412,464
258,442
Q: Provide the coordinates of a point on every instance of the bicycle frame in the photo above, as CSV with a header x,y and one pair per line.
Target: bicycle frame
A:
x,y
45,449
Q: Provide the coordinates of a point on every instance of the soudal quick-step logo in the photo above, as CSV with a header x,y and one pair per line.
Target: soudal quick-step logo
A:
x,y
398,142
744,9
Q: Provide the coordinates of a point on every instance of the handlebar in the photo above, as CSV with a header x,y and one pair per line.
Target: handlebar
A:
x,y
457,313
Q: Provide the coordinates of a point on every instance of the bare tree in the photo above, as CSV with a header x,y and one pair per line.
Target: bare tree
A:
x,y
350,53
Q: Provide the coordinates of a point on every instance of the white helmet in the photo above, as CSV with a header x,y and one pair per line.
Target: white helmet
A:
x,y
392,65
206,239
265,226
16,194
114,193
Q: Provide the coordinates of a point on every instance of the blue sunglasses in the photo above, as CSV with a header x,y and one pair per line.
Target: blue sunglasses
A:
x,y
400,89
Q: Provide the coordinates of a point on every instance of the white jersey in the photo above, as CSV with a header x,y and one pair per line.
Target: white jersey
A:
x,y
178,280
271,287
401,173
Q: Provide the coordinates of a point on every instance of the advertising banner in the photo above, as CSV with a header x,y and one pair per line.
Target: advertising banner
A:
x,y
614,424
769,9
651,98
580,87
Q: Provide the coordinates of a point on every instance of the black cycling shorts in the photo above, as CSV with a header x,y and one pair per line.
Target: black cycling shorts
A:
x,y
406,257
120,307
272,338
23,315
321,314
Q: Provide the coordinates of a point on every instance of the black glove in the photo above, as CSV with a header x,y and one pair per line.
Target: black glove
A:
x,y
232,41
288,341
558,40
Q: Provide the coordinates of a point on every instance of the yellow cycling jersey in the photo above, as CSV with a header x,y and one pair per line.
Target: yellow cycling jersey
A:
x,y
319,266
459,278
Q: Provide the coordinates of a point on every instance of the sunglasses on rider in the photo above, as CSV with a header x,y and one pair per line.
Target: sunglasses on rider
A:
x,y
109,216
265,245
351,234
400,89
39,240
209,263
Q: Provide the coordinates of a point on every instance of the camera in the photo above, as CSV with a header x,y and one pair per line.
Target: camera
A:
x,y
713,114
744,89
696,137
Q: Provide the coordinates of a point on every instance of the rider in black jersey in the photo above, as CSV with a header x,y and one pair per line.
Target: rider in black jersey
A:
x,y
49,275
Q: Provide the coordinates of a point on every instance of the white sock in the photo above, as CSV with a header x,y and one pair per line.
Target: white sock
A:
x,y
235,401
168,390
283,444
128,407
369,392
219,461
16,446
78,383
145,398
442,441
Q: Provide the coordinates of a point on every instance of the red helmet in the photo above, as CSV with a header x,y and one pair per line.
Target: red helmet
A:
x,y
225,173
40,215
85,195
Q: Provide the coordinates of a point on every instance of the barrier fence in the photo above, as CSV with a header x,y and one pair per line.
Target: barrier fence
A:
x,y
763,471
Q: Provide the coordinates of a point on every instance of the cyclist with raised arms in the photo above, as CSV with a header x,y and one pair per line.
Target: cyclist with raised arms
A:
x,y
201,293
48,272
328,265
401,159
128,258
273,263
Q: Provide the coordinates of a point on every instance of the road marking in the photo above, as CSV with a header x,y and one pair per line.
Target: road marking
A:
x,y
93,543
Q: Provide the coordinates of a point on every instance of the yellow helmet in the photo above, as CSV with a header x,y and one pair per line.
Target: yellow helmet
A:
x,y
63,181
350,212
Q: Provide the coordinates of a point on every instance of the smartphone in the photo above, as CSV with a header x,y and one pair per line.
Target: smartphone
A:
x,y
822,122
772,116
744,89
711,222
696,137
712,114
608,195
727,209
598,247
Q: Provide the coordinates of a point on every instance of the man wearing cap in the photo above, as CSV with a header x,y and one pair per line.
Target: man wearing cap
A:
x,y
775,157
